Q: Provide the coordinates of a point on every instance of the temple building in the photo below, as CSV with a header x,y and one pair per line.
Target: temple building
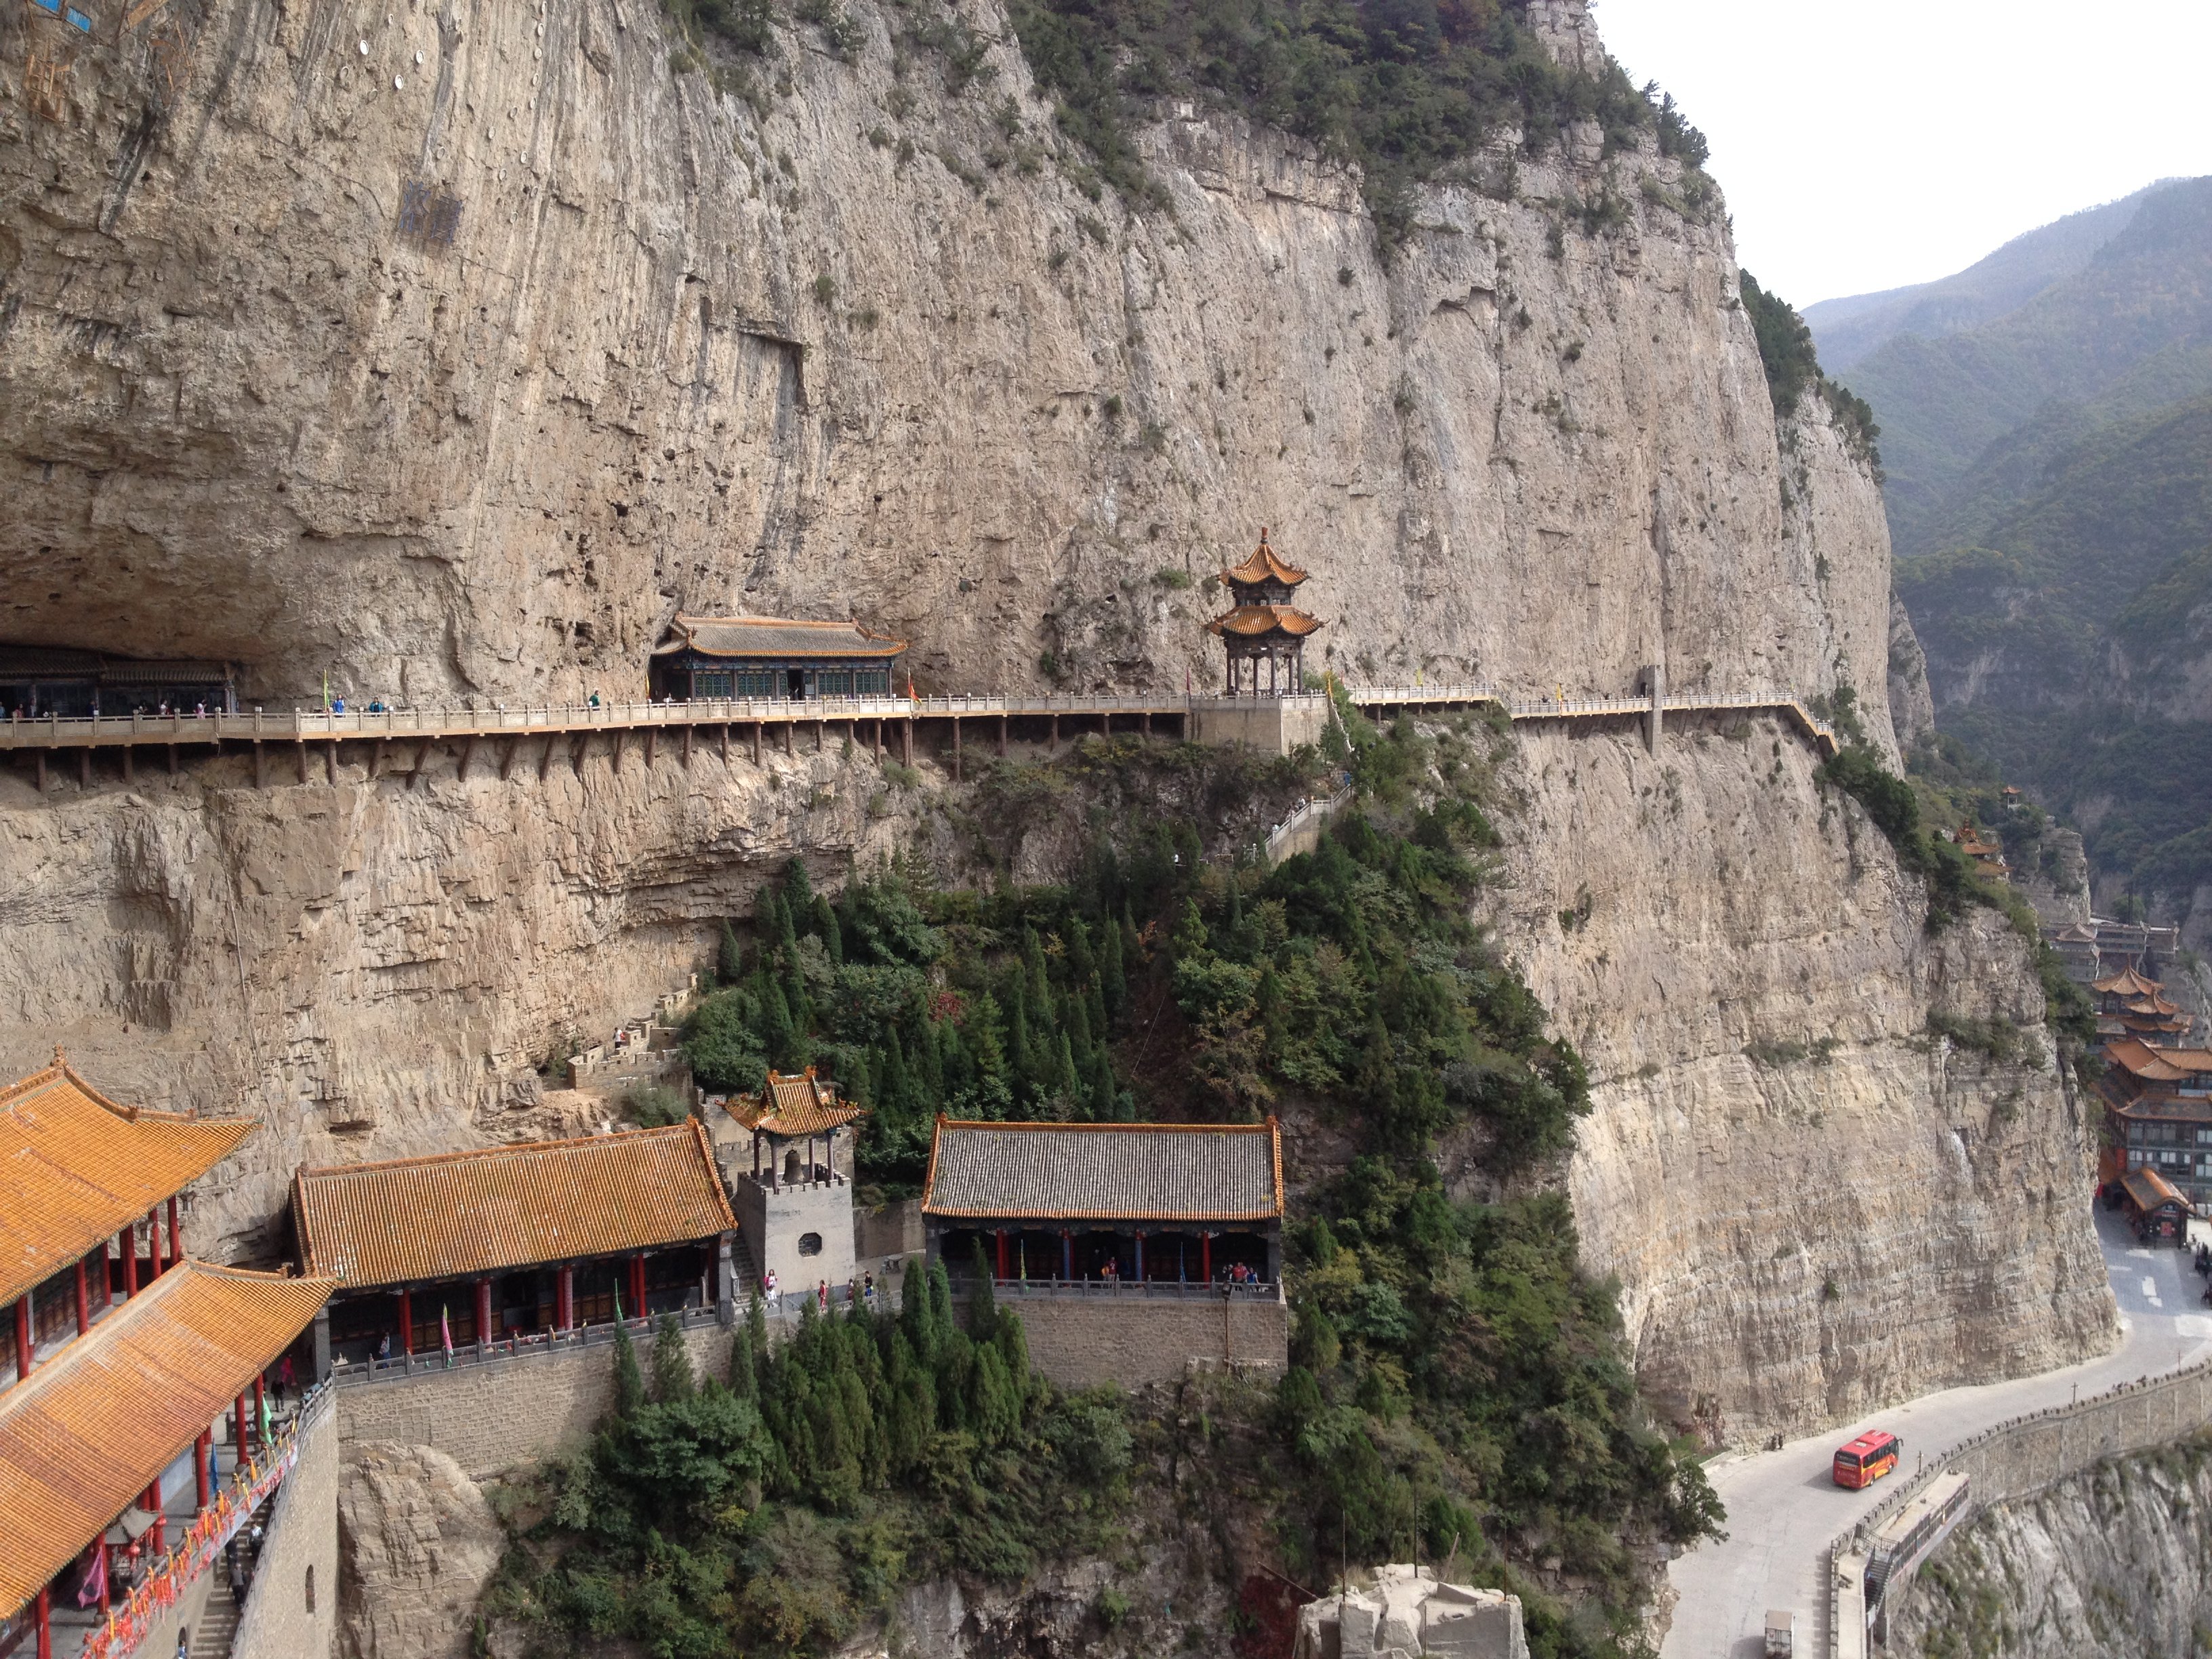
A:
x,y
1988,854
126,1358
1264,634
712,658
2158,1103
510,1243
1129,1205
36,681
2131,1005
794,1200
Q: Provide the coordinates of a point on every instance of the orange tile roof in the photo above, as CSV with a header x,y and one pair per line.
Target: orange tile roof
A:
x,y
1264,566
76,1168
462,1213
2129,983
793,1106
2156,1065
1105,1172
91,1428
1252,621
773,636
2149,1189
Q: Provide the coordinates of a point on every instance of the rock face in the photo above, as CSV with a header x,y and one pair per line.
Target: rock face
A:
x,y
861,345
2109,1564
678,354
416,1545
1814,1205
376,971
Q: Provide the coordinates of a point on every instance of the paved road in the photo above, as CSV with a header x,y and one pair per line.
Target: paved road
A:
x,y
1784,1508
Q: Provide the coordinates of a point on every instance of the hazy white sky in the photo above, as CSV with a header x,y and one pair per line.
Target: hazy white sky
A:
x,y
1865,144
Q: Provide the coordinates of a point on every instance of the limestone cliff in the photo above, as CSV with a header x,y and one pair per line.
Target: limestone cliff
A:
x,y
2108,1565
1815,1205
858,342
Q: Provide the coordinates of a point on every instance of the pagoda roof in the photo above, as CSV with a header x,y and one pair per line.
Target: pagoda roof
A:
x,y
2128,983
1262,566
794,1106
91,1428
459,1214
2079,934
2150,1189
1254,622
76,1168
773,636
2153,1004
2139,1059
1106,1171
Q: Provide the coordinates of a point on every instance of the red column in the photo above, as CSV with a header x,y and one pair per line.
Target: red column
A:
x,y
83,1300
45,1628
150,1501
176,1235
256,1399
484,1332
637,1285
1001,1237
130,1261
202,1449
106,1574
406,1323
564,1305
1205,1257
22,1336
153,1244
1140,1256
238,1430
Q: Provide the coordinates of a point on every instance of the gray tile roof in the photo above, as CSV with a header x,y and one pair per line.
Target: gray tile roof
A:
x,y
1122,1172
773,636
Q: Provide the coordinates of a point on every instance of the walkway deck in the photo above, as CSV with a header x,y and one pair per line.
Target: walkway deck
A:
x,y
541,734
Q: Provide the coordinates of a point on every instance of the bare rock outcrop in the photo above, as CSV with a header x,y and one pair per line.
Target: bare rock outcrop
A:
x,y
417,1544
1815,1202
2107,1565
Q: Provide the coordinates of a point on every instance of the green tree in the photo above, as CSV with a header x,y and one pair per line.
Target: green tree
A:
x,y
730,958
827,930
673,1378
629,1384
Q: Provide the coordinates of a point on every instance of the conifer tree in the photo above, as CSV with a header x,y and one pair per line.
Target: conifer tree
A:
x,y
730,958
892,1081
744,1381
1112,987
757,1328
955,1067
917,1314
940,1307
858,1078
1040,988
827,930
982,1300
1075,1021
1019,1062
798,891
1104,1098
994,1410
1013,1344
984,1040
629,1385
776,1032
928,1071
673,1378
1082,966
1065,1085
770,925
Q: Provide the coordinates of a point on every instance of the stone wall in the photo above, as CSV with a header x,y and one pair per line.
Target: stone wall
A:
x,y
503,1413
1081,1342
291,1611
2023,1456
1274,726
773,1221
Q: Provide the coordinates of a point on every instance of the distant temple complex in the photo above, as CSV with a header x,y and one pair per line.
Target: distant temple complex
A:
x,y
712,658
1264,628
2158,1102
37,681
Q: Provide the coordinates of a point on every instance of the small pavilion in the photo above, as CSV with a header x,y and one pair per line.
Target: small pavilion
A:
x,y
1264,626
1135,1203
713,657
795,1206
2130,1004
514,1242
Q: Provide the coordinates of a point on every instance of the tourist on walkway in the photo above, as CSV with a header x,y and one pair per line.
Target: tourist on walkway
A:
x,y
821,1296
868,1290
774,1296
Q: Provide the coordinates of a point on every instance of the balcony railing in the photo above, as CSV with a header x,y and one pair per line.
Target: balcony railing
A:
x,y
350,1373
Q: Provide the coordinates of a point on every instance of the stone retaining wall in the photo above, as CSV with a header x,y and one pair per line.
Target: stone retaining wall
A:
x,y
1079,1342
2023,1455
291,1611
504,1412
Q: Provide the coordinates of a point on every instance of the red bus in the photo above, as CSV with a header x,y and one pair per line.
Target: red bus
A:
x,y
1866,1459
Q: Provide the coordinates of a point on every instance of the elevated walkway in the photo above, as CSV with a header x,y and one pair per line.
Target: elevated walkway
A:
x,y
399,741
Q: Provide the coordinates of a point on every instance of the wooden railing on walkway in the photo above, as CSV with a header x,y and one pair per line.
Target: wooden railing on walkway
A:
x,y
413,734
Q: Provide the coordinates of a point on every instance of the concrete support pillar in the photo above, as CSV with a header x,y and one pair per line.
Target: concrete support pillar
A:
x,y
1002,734
757,742
955,749
1655,683
906,741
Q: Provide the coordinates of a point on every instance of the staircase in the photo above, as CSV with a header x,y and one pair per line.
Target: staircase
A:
x,y
218,1621
743,1272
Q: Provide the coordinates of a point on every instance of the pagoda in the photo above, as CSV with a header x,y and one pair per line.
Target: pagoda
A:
x,y
2131,1005
1264,626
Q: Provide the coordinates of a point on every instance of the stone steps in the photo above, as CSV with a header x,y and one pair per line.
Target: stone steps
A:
x,y
217,1625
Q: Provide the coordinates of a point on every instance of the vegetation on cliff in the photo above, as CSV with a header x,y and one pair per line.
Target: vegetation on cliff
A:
x,y
1402,89
1459,1384
1785,351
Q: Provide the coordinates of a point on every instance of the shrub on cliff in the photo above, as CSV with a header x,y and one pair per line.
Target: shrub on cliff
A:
x,y
1785,350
